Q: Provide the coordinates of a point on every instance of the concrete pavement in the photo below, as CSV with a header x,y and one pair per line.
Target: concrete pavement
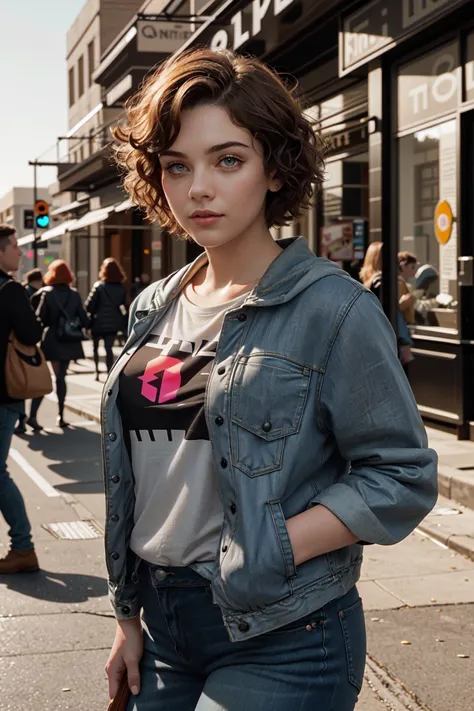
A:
x,y
57,626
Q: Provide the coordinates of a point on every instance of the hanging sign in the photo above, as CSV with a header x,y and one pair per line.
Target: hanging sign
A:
x,y
443,221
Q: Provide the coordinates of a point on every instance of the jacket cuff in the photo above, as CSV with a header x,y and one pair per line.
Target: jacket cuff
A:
x,y
350,508
124,609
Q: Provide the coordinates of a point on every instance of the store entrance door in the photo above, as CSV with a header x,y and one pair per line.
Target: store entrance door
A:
x,y
466,247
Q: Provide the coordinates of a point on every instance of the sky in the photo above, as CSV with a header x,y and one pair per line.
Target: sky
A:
x,y
33,85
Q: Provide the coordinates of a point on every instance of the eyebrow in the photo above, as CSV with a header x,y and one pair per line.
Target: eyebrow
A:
x,y
212,149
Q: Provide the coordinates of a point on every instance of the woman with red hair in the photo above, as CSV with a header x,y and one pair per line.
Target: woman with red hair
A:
x,y
107,309
63,317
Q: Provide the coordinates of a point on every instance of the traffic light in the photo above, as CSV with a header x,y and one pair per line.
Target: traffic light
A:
x,y
28,219
42,218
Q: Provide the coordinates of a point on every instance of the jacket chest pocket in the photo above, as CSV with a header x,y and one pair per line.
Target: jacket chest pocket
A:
x,y
267,400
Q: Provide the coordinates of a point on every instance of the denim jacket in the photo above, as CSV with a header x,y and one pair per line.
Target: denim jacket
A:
x,y
306,404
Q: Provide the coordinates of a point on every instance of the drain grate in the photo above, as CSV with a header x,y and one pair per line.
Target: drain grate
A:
x,y
74,530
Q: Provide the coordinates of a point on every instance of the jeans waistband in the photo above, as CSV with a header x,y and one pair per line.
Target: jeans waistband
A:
x,y
172,576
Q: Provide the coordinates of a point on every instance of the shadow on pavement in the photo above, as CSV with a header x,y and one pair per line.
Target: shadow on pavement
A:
x,y
56,587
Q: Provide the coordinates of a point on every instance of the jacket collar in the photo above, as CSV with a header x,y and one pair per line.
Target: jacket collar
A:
x,y
289,274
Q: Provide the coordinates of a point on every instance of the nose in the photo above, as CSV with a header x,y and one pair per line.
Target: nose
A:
x,y
201,186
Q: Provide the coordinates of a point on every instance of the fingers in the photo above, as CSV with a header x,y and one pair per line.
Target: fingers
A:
x,y
133,677
115,670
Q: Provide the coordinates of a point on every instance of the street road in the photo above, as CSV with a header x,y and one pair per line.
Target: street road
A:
x,y
57,627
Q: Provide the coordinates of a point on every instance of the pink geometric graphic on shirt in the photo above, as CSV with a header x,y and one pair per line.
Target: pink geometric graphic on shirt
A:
x,y
171,381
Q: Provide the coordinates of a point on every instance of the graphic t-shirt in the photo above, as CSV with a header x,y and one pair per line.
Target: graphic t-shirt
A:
x,y
178,510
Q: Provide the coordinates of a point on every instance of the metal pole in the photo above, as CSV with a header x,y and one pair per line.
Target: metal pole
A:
x,y
35,197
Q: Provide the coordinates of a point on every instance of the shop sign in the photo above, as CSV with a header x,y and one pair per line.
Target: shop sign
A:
x,y
240,34
161,36
443,221
429,86
345,140
382,24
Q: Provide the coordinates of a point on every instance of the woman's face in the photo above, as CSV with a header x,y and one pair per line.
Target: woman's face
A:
x,y
214,178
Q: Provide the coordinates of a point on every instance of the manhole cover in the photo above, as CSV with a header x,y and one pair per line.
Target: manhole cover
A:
x,y
74,530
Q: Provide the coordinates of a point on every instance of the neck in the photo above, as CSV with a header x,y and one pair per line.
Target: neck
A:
x,y
243,261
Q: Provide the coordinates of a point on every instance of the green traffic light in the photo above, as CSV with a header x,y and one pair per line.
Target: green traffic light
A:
x,y
42,221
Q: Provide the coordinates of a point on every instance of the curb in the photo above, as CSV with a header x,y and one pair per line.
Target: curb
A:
x,y
460,544
455,485
83,412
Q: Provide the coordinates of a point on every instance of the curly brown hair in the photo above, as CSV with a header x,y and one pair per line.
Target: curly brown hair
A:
x,y
255,97
111,272
58,272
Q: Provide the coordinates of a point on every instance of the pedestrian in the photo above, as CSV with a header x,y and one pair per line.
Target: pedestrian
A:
x,y
371,277
258,429
139,284
18,317
33,282
107,309
407,268
62,314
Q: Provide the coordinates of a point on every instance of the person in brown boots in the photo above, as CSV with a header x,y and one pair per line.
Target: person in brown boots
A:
x,y
18,316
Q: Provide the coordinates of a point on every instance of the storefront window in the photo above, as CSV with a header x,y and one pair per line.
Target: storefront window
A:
x,y
427,170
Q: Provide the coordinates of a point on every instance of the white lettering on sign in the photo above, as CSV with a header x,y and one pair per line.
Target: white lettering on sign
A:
x,y
441,90
357,43
220,39
259,10
416,10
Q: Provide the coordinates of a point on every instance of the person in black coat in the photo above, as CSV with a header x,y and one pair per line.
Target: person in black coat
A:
x,y
33,282
107,309
17,316
60,305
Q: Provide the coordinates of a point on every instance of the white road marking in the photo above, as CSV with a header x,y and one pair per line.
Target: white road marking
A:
x,y
35,476
426,535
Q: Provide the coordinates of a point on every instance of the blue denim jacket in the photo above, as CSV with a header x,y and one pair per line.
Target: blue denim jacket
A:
x,y
306,404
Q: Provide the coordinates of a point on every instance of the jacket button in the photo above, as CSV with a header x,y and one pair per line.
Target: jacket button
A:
x,y
112,436
125,609
224,463
242,317
221,370
267,426
233,508
244,626
116,479
219,421
114,517
160,574
114,555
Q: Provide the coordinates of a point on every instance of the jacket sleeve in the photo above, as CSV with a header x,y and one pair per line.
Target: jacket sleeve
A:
x,y
367,404
92,300
83,317
23,321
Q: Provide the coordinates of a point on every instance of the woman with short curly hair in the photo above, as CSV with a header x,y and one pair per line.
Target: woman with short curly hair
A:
x,y
257,428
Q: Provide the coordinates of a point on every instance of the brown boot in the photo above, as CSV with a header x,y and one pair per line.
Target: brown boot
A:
x,y
19,562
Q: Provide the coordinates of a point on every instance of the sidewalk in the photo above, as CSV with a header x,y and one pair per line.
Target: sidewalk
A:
x,y
451,522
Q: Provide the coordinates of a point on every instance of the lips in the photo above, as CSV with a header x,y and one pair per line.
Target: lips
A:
x,y
205,213
205,218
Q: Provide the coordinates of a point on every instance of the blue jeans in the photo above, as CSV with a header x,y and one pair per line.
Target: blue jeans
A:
x,y
190,664
12,505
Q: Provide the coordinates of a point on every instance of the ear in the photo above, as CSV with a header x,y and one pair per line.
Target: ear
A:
x,y
274,183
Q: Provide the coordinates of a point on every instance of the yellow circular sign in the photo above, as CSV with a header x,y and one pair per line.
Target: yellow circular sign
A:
x,y
443,221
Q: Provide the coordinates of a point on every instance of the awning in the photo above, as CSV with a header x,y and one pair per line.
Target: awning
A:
x,y
69,207
57,231
125,205
27,239
91,218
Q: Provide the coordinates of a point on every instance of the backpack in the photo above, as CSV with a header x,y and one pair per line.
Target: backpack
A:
x,y
69,329
26,371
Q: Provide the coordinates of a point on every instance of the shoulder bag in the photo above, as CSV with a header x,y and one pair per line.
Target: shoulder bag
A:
x,y
69,329
26,371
